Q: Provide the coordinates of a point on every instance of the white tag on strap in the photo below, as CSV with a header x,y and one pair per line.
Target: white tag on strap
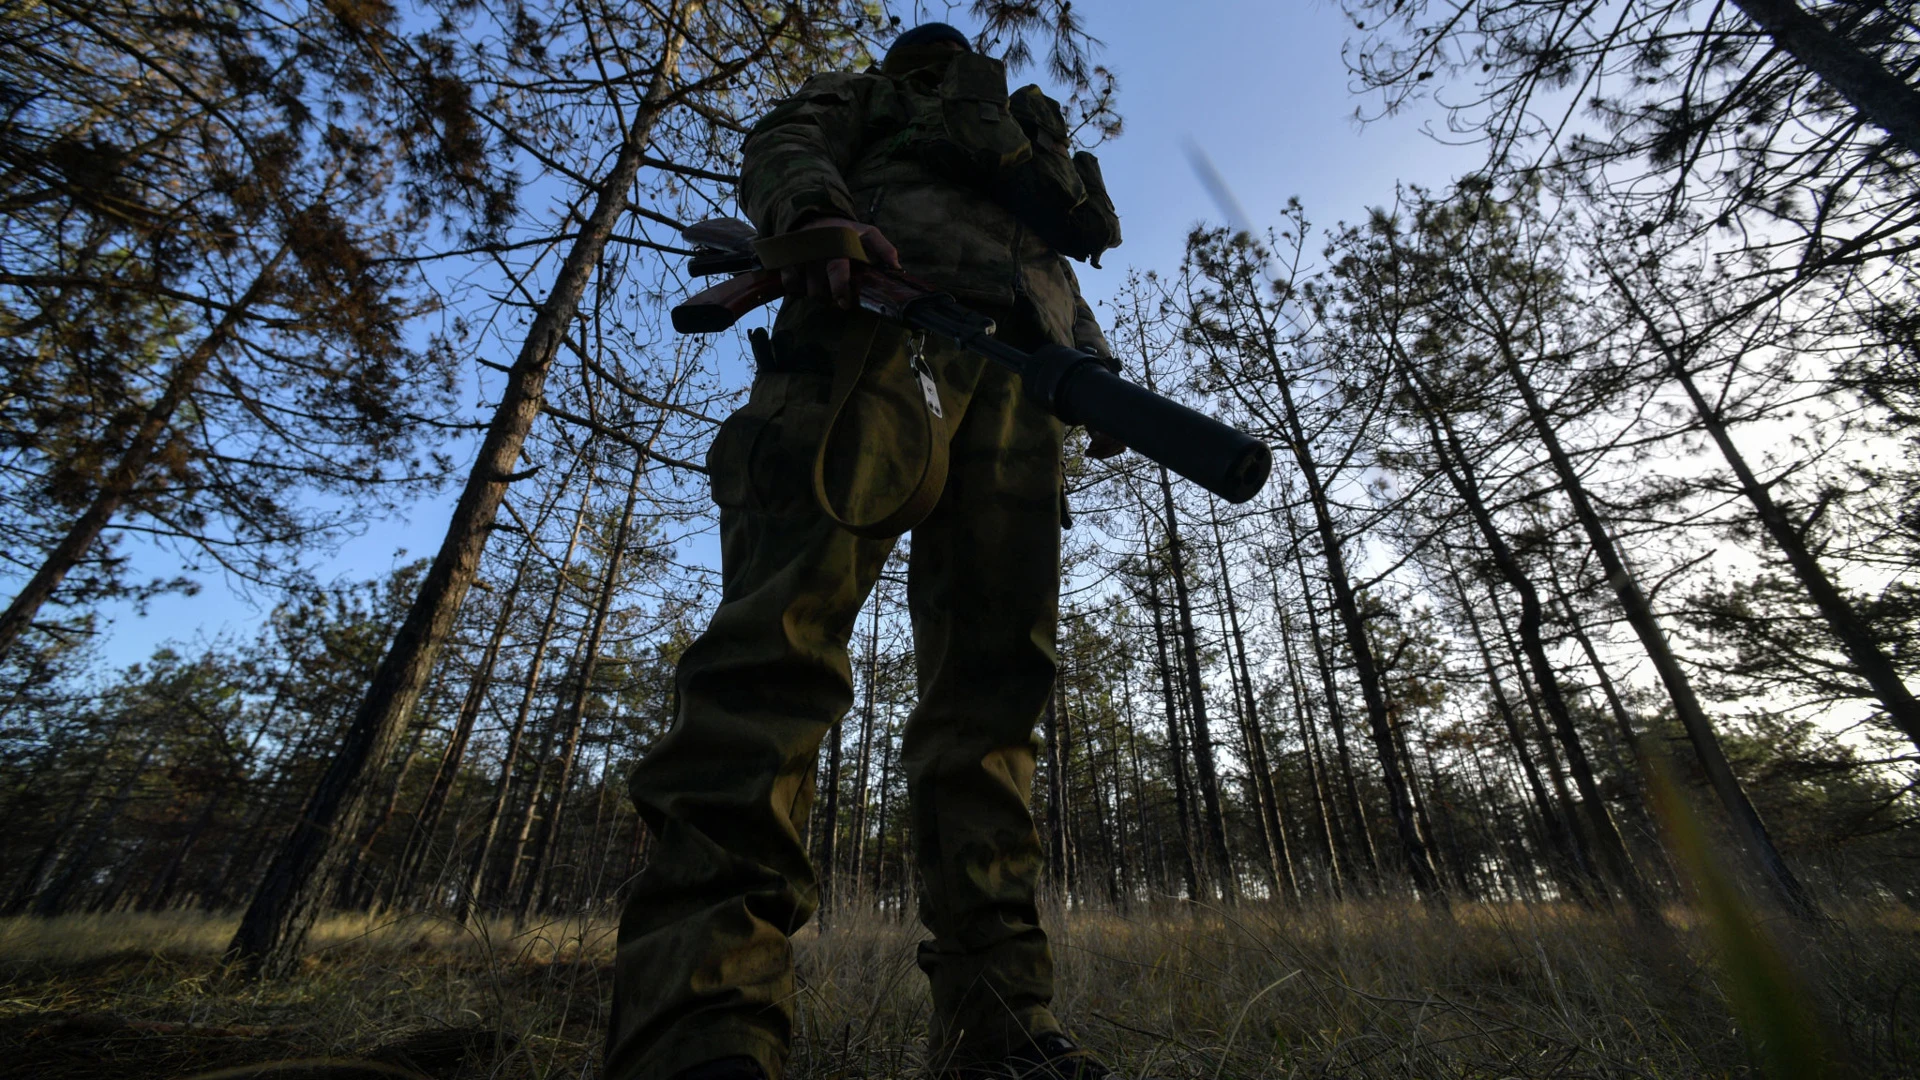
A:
x,y
917,359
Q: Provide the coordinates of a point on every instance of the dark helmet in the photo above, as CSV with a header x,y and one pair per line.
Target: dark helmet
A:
x,y
933,33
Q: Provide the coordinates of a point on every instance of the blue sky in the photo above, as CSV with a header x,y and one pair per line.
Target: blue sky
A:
x,y
1260,87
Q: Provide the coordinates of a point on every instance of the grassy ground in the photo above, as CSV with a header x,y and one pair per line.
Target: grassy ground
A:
x,y
1377,990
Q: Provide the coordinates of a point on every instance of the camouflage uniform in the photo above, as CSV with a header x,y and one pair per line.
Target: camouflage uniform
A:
x,y
704,968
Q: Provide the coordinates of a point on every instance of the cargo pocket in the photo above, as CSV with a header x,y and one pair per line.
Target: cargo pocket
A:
x,y
761,459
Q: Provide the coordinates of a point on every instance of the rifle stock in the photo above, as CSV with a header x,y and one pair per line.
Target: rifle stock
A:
x,y
718,307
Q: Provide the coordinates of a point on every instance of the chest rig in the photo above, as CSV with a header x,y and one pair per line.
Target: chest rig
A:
x,y
964,127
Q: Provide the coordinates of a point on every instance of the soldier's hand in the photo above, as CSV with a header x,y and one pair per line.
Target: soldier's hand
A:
x,y
831,279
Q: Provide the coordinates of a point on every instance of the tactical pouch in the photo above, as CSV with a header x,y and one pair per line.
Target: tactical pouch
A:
x,y
1061,198
980,139
1094,225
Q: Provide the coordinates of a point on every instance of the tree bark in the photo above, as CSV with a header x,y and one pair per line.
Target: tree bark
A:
x,y
1176,754
1856,637
1748,826
426,820
577,706
268,942
496,811
1882,97
1215,822
145,445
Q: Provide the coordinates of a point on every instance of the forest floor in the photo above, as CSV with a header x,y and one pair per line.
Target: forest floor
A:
x,y
1350,990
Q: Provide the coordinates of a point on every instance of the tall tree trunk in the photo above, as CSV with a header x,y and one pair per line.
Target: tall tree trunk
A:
x,y
577,707
1106,822
1852,631
470,894
1508,839
161,893
47,860
1882,97
830,826
357,885
1615,705
1565,854
1141,830
1747,825
1647,829
268,941
1451,453
426,820
828,866
1055,817
1278,876
1070,835
862,773
147,443
1325,825
508,874
1272,824
268,803
1216,827
1581,850
1420,814
880,834
1176,755
1447,835
1366,667
1332,843
1357,815
53,899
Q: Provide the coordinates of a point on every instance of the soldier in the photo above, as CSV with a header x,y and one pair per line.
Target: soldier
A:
x,y
943,175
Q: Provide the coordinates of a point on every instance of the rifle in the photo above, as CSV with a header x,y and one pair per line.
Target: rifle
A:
x,y
1072,384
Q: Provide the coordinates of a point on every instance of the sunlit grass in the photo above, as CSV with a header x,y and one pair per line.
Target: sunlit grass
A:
x,y
1370,989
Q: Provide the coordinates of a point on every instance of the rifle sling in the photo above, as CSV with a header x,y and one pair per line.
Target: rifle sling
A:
x,y
855,353
809,245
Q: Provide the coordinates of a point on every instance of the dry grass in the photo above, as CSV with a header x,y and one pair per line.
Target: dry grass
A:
x,y
1358,990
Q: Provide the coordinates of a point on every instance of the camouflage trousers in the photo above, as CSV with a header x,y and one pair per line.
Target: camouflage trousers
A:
x,y
704,966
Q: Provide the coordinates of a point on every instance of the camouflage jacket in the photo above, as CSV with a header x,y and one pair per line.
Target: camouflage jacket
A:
x,y
838,147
